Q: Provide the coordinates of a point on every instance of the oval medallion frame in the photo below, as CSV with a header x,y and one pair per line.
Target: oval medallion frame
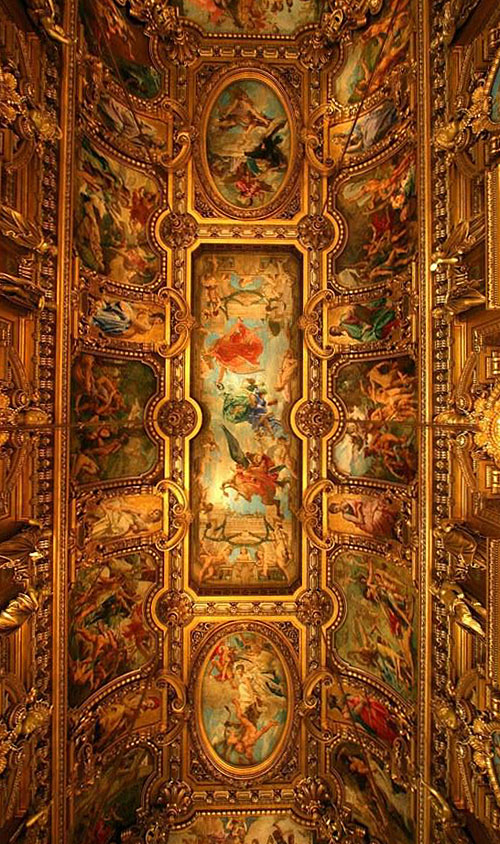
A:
x,y
206,183
286,744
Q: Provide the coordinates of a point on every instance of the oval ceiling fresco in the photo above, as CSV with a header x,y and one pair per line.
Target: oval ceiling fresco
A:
x,y
244,702
248,149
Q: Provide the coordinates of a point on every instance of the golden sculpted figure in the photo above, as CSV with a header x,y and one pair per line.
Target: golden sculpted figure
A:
x,y
467,550
446,715
18,611
44,12
462,296
17,549
20,544
459,606
21,293
22,231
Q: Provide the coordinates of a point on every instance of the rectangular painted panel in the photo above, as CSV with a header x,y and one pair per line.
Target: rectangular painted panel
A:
x,y
246,375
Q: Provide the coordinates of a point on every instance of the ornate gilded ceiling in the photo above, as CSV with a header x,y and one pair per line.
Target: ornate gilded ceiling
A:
x,y
244,400
229,307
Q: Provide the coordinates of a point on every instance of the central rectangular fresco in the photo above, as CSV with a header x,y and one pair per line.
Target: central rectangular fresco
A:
x,y
245,463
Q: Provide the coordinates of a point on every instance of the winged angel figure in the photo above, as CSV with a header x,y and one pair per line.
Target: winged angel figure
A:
x,y
255,474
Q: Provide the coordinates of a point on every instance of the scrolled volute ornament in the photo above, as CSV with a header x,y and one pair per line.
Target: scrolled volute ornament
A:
x,y
181,320
166,678
179,515
311,324
179,709
310,704
154,835
183,137
311,514
313,138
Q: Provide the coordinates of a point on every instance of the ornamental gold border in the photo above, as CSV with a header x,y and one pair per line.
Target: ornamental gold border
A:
x,y
277,591
216,85
287,741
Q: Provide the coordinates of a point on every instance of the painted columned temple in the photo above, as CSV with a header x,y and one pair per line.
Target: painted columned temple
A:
x,y
249,421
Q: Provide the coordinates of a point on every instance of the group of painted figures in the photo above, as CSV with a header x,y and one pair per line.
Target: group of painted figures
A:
x,y
245,460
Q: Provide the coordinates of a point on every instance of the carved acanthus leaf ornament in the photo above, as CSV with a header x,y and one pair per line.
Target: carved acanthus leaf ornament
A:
x,y
470,121
181,41
338,21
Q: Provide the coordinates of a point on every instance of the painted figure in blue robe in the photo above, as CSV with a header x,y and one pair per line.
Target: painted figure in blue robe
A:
x,y
252,406
122,319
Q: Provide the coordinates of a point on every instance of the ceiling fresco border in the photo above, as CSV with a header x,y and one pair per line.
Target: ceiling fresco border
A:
x,y
394,294
347,744
180,375
115,359
352,422
342,180
319,136
133,166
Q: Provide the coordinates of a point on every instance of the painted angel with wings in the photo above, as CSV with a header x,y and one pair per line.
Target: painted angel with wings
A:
x,y
255,474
